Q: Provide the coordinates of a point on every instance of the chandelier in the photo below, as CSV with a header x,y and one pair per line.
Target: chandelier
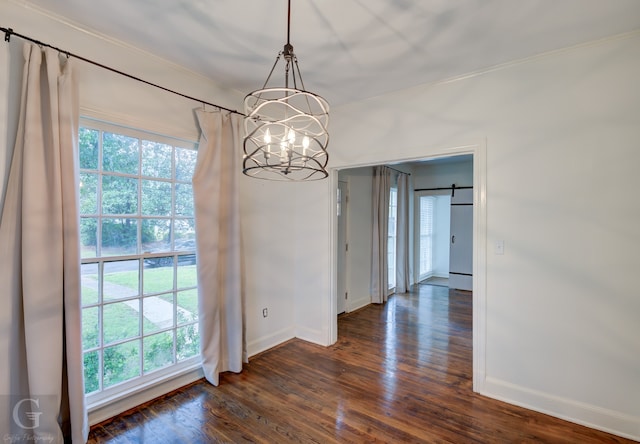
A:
x,y
286,126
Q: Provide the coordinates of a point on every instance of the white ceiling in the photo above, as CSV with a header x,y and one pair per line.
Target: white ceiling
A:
x,y
348,50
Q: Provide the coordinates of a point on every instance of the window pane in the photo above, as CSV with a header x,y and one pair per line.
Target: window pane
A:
x,y
426,234
158,313
185,234
156,159
121,362
187,271
187,342
158,351
158,274
91,371
90,328
185,164
391,239
184,199
121,280
119,153
119,237
121,320
156,198
88,237
88,193
156,235
89,283
88,147
119,195
187,306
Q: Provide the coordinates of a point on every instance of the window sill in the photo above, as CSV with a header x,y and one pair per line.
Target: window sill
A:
x,y
108,407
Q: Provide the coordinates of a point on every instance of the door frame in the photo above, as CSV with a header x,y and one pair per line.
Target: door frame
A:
x,y
344,210
479,327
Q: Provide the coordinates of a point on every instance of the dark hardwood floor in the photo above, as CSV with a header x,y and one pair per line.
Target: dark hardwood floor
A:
x,y
398,373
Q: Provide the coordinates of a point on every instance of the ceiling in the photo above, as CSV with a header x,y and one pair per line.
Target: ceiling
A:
x,y
348,50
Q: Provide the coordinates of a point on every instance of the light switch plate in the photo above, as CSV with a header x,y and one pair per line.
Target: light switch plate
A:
x,y
500,247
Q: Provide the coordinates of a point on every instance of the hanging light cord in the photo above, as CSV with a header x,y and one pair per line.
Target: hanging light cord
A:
x,y
289,22
8,32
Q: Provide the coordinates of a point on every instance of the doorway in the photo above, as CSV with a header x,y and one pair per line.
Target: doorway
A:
x,y
477,153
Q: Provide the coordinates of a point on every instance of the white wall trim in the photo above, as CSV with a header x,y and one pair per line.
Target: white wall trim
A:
x,y
311,335
479,265
109,410
357,304
609,421
140,124
266,342
332,319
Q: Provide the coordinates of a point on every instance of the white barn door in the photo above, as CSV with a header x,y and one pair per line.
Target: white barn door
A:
x,y
461,240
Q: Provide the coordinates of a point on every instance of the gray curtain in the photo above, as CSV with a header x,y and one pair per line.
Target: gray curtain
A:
x,y
403,262
220,266
379,262
40,272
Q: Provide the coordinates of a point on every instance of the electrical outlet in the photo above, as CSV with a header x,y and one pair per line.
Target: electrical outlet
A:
x,y
265,312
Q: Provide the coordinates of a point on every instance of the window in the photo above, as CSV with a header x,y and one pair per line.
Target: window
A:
x,y
391,240
426,237
138,275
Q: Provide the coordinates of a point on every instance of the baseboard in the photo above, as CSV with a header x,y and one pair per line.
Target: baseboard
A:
x,y
358,304
101,413
311,335
265,343
587,415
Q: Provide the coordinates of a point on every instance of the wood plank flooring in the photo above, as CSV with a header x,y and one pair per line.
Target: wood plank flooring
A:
x,y
398,373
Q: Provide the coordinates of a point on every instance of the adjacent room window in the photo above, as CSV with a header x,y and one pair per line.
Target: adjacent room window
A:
x,y
139,289
391,241
426,237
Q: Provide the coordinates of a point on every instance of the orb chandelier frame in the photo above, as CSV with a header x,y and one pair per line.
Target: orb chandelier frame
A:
x,y
286,133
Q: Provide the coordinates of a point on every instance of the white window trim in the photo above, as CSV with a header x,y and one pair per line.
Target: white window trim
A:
x,y
122,395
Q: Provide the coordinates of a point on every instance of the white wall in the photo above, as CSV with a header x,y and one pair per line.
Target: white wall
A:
x,y
270,262
456,170
359,233
562,135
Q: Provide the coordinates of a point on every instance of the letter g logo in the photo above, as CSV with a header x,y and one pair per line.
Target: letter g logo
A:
x,y
32,416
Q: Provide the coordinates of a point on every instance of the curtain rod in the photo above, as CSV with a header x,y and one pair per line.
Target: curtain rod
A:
x,y
8,32
452,187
